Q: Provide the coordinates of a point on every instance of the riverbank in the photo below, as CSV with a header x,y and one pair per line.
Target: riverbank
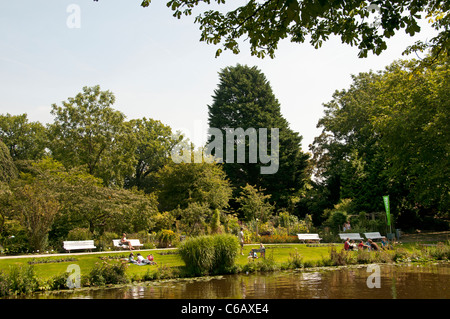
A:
x,y
50,272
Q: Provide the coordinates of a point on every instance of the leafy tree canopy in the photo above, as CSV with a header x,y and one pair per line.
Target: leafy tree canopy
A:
x,y
388,134
362,23
88,131
25,140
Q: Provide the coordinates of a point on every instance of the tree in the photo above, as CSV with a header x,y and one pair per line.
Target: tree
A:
x,y
179,185
8,170
365,24
414,125
88,131
154,144
254,204
36,207
25,140
387,134
244,101
194,218
84,201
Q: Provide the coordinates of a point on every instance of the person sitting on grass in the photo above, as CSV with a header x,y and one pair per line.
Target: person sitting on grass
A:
x,y
373,246
362,246
252,255
141,260
131,258
347,244
385,244
150,260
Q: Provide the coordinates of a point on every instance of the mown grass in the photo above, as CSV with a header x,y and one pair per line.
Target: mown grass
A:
x,y
164,258
171,265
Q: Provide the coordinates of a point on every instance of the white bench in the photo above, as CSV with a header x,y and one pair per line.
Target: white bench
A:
x,y
306,237
134,243
351,236
375,235
79,244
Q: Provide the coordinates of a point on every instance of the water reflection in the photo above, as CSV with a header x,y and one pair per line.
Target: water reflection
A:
x,y
407,281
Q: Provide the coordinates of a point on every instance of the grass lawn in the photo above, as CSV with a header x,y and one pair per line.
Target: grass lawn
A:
x,y
164,258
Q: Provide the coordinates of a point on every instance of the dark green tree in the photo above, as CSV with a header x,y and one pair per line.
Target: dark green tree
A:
x,y
244,100
387,134
154,144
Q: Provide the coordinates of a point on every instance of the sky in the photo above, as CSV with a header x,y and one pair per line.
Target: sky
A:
x,y
156,66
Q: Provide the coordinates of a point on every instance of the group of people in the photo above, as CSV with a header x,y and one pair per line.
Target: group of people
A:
x,y
252,255
140,260
369,245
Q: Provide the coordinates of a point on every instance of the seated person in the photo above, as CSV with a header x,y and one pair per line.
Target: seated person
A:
x,y
347,244
131,258
150,260
141,260
362,246
252,255
125,242
373,245
385,244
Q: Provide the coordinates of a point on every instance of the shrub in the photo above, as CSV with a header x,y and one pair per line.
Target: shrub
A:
x,y
22,280
165,237
364,257
59,282
107,273
198,254
106,240
263,265
4,284
209,254
440,252
163,272
225,252
340,258
79,234
295,259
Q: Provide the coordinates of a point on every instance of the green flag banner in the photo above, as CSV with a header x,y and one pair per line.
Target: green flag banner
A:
x,y
388,211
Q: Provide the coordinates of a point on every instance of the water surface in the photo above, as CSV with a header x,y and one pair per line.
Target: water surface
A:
x,y
395,282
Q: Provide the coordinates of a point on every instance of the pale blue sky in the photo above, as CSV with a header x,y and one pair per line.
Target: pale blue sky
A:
x,y
155,64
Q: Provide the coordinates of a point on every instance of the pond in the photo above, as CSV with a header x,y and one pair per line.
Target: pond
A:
x,y
409,281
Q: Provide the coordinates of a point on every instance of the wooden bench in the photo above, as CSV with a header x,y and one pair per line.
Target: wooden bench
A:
x,y
351,236
134,243
309,237
373,236
79,244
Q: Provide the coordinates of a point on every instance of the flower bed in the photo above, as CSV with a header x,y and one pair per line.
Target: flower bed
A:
x,y
275,239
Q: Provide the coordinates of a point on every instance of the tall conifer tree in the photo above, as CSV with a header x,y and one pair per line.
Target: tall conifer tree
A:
x,y
244,99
